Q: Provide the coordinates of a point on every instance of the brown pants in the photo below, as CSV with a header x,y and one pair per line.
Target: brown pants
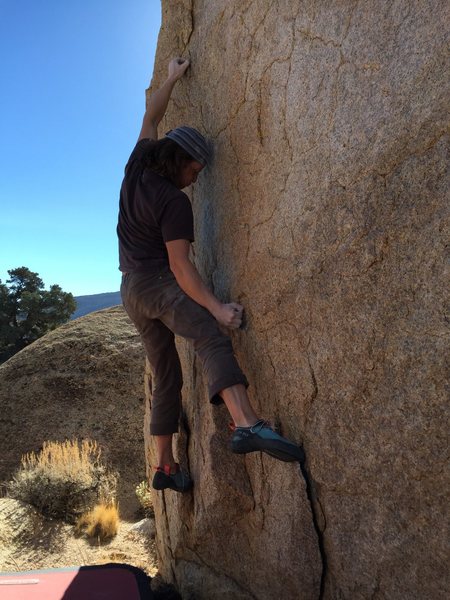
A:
x,y
159,309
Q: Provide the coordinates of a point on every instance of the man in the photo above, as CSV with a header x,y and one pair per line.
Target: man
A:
x,y
164,295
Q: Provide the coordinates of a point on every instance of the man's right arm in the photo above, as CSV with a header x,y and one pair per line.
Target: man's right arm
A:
x,y
158,101
189,280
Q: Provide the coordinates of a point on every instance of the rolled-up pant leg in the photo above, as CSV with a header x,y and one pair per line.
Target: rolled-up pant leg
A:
x,y
188,319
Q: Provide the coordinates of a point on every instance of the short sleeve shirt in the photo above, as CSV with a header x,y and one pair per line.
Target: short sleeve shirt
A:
x,y
152,211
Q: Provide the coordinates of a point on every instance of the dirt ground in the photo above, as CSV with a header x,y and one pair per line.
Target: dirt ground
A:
x,y
29,542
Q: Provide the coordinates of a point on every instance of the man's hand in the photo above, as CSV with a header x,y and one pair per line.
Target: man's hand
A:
x,y
177,68
229,315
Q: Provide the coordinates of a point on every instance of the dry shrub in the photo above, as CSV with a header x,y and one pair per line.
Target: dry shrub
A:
x,y
144,496
64,479
102,522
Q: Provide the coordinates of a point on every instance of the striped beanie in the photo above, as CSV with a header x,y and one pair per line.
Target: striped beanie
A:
x,y
193,142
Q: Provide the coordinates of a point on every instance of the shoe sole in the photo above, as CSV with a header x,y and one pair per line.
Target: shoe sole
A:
x,y
300,457
171,487
277,450
168,485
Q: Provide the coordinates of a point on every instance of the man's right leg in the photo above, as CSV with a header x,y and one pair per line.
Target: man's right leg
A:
x,y
164,452
166,385
143,295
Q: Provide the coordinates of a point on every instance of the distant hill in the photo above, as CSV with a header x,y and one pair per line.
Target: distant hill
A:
x,y
88,304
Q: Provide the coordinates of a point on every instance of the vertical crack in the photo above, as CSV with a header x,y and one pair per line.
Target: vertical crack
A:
x,y
187,432
191,14
313,502
317,513
169,545
313,380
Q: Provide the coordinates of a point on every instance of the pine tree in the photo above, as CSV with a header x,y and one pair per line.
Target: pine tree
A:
x,y
28,311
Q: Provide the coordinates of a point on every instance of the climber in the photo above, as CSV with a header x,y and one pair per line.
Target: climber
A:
x,y
164,295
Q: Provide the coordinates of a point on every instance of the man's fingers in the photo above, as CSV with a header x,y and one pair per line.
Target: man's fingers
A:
x,y
234,322
178,66
237,322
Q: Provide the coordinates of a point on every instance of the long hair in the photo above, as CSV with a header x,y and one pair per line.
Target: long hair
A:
x,y
166,158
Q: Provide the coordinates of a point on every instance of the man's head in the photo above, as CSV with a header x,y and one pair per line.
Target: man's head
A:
x,y
180,156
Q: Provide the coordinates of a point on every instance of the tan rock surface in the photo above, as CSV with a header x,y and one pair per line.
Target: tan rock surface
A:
x,y
325,214
83,380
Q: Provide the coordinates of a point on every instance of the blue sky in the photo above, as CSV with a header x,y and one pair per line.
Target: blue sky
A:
x,y
73,95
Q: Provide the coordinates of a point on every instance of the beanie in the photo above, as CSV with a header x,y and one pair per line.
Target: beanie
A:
x,y
193,142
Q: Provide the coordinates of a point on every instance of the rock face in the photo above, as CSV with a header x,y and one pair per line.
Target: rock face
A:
x,y
324,214
83,380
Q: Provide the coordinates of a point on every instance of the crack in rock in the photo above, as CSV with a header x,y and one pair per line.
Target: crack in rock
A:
x,y
312,499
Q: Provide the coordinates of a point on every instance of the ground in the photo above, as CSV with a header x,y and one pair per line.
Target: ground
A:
x,y
28,542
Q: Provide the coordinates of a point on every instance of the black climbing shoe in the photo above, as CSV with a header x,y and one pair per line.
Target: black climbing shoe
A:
x,y
262,437
178,481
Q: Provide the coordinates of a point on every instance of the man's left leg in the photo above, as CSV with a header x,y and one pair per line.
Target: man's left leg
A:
x,y
226,381
252,433
238,404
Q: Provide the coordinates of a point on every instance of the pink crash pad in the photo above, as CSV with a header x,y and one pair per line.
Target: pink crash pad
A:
x,y
103,582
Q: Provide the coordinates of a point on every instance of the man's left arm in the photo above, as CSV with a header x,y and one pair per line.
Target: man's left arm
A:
x,y
189,280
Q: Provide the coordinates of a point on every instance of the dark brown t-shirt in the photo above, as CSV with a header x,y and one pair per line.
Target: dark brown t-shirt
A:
x,y
152,211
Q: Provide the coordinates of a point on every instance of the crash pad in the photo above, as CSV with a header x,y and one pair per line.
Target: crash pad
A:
x,y
112,581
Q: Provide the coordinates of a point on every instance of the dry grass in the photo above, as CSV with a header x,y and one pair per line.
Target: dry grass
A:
x,y
65,459
64,479
102,522
144,496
